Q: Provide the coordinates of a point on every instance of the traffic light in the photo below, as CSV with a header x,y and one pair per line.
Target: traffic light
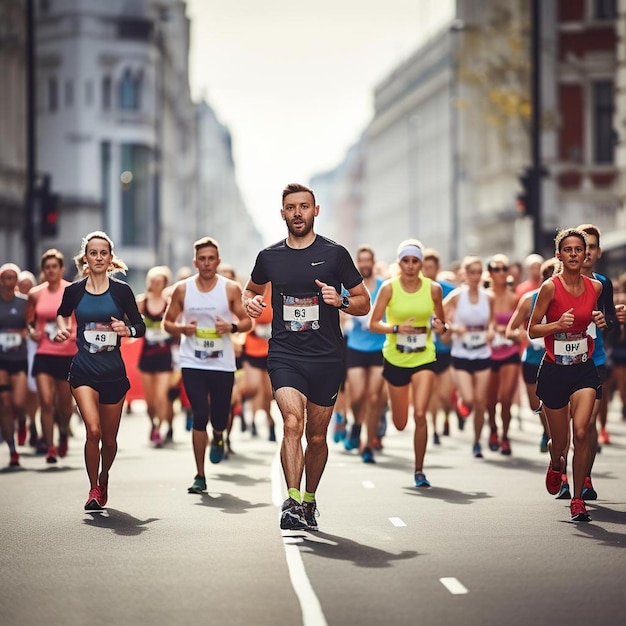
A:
x,y
49,204
525,200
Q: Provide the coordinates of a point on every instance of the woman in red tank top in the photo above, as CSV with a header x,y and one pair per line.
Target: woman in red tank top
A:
x,y
568,381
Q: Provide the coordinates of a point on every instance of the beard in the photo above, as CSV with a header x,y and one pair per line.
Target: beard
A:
x,y
308,227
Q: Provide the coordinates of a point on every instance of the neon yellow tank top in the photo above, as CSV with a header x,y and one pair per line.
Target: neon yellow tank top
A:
x,y
410,350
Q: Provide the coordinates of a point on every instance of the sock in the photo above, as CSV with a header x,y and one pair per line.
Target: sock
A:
x,y
294,494
309,497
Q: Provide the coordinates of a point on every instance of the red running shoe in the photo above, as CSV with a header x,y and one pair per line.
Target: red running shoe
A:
x,y
104,495
51,456
579,511
15,460
62,449
553,477
506,448
93,500
494,443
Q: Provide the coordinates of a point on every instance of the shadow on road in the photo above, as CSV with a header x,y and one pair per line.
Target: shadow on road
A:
x,y
229,503
339,548
241,480
448,495
119,522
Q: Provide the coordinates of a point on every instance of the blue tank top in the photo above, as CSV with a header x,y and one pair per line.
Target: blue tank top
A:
x,y
360,337
533,354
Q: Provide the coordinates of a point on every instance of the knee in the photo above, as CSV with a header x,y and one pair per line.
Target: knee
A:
x,y
200,422
581,436
420,419
316,440
292,427
94,434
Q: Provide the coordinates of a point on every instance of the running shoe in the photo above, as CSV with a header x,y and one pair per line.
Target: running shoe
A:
x,y
51,456
339,430
579,511
311,512
21,433
199,485
33,437
505,447
104,495
216,453
253,430
15,460
436,439
169,437
382,425
272,436
494,443
367,455
564,492
188,420
589,493
93,500
354,440
62,449
543,445
603,437
477,451
446,428
154,434
421,480
553,478
292,516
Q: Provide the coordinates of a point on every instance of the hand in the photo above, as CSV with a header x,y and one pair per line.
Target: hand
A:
x,y
329,294
188,329
254,306
120,327
222,326
62,335
620,311
598,319
567,319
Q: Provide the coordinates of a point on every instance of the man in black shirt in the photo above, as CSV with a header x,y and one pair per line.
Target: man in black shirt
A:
x,y
306,360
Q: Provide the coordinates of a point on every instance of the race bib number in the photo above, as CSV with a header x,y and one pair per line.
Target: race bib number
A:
x,y
570,348
264,331
412,343
51,330
156,335
10,340
475,337
300,314
500,341
99,337
208,344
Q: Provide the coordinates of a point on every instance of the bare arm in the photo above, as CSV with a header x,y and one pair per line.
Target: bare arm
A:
x,y
174,310
376,324
252,299
520,316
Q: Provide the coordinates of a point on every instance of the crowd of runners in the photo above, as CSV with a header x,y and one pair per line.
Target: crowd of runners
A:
x,y
340,341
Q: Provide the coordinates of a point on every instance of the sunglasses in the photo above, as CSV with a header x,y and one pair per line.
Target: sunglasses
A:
x,y
499,268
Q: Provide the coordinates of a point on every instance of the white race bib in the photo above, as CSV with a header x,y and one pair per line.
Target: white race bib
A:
x,y
301,313
51,330
570,348
10,339
207,343
474,338
264,331
156,335
500,341
411,343
100,337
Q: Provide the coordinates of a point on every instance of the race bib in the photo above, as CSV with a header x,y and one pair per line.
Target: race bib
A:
x,y
570,348
500,341
474,337
412,343
99,337
264,331
208,344
156,335
51,330
300,314
10,340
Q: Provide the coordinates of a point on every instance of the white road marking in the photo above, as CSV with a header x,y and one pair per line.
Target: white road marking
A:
x,y
312,614
368,484
454,586
396,521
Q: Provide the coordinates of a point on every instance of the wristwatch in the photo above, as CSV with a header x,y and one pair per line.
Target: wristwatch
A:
x,y
234,328
345,302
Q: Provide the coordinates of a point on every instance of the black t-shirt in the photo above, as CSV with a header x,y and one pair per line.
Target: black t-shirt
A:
x,y
303,325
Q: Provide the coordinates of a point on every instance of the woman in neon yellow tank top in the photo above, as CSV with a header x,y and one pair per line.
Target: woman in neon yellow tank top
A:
x,y
412,307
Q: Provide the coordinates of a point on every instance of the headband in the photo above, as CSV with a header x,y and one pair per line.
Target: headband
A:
x,y
411,250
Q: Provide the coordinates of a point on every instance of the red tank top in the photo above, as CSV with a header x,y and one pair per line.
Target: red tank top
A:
x,y
574,345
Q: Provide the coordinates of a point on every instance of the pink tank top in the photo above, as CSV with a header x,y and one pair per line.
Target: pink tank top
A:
x,y
46,318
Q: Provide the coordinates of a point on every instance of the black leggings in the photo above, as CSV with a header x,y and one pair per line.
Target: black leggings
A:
x,y
209,394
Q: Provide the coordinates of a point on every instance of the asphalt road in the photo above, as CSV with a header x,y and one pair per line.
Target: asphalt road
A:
x,y
484,545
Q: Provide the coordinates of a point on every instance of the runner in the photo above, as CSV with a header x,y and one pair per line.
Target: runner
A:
x,y
51,366
155,359
568,381
306,360
13,357
202,312
365,364
105,311
470,311
413,310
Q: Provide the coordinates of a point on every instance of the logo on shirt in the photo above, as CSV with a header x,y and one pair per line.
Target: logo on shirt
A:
x,y
314,263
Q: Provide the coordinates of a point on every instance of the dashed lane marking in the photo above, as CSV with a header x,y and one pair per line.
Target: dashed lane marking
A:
x,y
396,521
454,586
368,484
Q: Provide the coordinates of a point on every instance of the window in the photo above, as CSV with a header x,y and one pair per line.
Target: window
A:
x,y
69,93
106,93
602,110
53,94
605,9
135,183
130,91
89,93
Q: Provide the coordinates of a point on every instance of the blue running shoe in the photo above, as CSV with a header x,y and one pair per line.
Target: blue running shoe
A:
x,y
216,453
354,440
477,451
367,455
189,420
199,485
564,492
421,480
382,425
589,493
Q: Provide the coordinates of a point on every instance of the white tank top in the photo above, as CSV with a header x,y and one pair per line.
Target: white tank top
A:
x,y
475,317
207,350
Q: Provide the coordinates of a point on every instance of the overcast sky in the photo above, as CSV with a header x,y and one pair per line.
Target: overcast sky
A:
x,y
294,81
